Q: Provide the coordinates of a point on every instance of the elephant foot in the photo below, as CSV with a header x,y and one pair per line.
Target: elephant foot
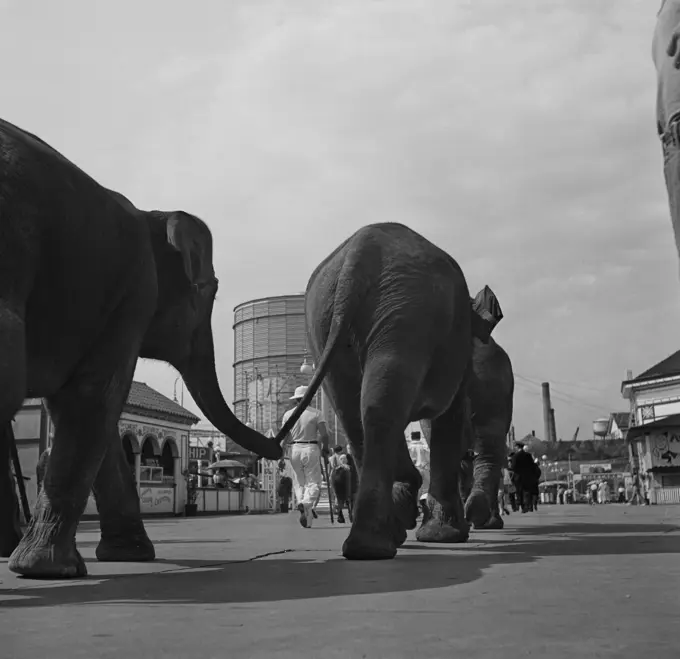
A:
x,y
405,504
118,549
494,523
441,527
477,509
367,545
436,531
47,562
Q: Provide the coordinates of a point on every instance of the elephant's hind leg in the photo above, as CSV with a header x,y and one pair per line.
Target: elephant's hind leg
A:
x,y
123,536
387,395
444,519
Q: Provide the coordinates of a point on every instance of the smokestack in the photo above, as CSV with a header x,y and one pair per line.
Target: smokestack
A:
x,y
553,429
547,433
533,433
629,374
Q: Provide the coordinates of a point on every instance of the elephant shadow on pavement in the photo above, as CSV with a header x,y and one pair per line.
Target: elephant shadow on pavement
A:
x,y
580,539
269,579
595,528
310,574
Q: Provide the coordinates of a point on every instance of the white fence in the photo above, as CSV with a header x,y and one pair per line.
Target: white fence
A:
x,y
217,500
665,495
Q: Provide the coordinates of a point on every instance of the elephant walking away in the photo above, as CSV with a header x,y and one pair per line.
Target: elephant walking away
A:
x,y
89,284
490,388
389,317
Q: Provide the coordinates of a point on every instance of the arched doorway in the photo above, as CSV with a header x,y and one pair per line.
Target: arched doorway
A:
x,y
169,455
149,451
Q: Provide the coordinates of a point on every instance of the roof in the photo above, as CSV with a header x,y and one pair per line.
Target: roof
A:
x,y
672,421
622,420
143,397
665,368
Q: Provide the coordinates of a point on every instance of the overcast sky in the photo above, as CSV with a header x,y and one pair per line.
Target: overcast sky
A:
x,y
519,135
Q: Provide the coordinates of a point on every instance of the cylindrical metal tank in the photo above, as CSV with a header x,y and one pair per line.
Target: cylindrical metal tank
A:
x,y
600,427
269,349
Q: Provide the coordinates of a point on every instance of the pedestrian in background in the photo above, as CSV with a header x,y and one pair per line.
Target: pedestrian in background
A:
x,y
308,432
285,488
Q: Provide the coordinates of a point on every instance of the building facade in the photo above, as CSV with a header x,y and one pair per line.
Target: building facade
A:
x,y
654,433
270,345
155,435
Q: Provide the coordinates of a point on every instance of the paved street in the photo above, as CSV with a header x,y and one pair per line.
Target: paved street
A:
x,y
570,581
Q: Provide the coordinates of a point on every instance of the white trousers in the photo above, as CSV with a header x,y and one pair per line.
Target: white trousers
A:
x,y
425,487
306,462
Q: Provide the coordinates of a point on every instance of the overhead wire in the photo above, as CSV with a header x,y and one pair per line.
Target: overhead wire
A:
x,y
556,390
561,396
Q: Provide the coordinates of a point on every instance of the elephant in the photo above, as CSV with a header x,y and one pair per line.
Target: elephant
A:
x,y
345,483
490,389
88,284
389,318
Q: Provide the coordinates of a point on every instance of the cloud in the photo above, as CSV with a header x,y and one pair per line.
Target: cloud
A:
x,y
520,137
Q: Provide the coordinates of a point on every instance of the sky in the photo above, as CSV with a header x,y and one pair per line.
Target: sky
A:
x,y
518,135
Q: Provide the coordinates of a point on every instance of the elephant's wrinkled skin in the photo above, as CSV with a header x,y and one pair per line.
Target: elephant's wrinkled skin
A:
x,y
490,387
389,315
89,283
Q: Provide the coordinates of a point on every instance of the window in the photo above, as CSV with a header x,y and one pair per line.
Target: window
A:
x,y
670,480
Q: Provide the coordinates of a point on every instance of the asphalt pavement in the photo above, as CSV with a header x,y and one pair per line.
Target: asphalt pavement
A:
x,y
567,581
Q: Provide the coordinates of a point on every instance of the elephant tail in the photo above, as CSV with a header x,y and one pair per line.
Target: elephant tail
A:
x,y
355,279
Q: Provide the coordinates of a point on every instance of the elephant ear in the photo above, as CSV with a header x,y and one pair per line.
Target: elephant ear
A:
x,y
486,314
192,239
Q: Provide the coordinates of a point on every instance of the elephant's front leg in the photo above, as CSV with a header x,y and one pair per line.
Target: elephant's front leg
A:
x,y
481,507
444,520
48,549
85,414
123,536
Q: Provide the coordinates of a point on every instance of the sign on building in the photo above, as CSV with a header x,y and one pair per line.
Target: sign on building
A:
x,y
598,468
200,453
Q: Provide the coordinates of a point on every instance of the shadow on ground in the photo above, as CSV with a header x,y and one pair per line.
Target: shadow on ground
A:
x,y
591,528
270,580
416,567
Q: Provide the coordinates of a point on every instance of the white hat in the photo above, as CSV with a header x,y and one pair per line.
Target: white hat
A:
x,y
299,392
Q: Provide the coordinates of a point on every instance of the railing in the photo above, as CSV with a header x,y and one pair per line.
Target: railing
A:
x,y
219,500
665,495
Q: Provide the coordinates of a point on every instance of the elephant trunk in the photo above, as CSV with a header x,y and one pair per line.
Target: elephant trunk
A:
x,y
200,378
